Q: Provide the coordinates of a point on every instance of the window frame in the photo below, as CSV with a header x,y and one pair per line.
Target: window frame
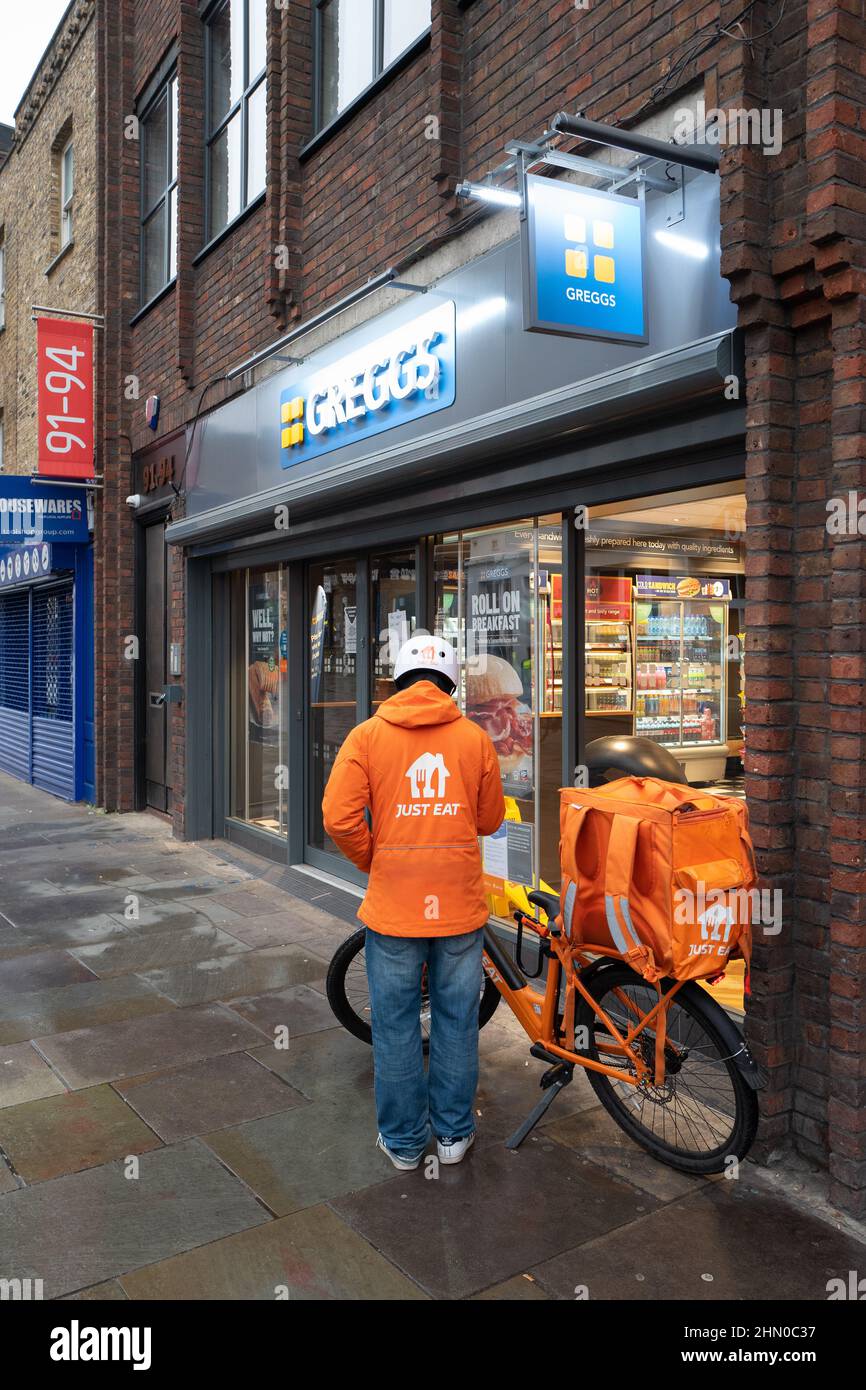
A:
x,y
381,71
2,278
240,107
146,214
67,195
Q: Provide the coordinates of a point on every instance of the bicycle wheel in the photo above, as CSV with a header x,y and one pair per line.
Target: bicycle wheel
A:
x,y
349,994
705,1112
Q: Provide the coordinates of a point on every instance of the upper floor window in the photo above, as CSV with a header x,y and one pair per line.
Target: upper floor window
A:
x,y
356,41
67,192
236,100
1,441
159,191
2,280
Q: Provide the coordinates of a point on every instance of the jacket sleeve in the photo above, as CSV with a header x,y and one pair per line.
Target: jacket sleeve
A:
x,y
491,802
346,798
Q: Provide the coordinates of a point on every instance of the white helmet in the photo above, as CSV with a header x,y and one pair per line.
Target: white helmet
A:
x,y
425,653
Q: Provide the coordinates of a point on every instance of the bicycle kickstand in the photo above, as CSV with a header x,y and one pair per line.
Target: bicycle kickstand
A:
x,y
554,1080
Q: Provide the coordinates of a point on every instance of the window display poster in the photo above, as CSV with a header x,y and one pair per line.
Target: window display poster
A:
x,y
608,598
263,626
318,623
350,627
499,656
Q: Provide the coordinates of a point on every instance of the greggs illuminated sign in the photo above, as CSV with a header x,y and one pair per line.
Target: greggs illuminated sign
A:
x,y
403,376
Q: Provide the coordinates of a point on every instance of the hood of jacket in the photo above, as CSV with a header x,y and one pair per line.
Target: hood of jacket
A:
x,y
419,706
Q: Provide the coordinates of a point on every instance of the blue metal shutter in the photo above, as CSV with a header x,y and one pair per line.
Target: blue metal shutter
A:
x,y
53,675
15,684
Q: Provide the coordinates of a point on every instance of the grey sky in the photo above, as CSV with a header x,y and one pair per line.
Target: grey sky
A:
x,y
26,26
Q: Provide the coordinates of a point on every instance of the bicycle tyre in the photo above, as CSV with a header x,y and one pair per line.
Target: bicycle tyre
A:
x,y
347,1015
704,1011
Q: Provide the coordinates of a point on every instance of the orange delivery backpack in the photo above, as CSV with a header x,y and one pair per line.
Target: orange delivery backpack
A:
x,y
658,872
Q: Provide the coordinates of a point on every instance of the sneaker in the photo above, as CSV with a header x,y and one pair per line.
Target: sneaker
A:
x,y
454,1150
405,1162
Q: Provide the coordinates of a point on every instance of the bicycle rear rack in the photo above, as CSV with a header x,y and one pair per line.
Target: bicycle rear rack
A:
x,y
554,1080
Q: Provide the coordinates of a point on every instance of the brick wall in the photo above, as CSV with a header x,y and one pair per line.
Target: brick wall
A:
x,y
379,192
58,104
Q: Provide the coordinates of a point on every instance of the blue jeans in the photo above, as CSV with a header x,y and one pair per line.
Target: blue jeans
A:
x,y
408,1102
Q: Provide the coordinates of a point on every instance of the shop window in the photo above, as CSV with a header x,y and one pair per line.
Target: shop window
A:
x,y
664,655
159,137
358,40
259,672
236,108
333,679
498,598
393,616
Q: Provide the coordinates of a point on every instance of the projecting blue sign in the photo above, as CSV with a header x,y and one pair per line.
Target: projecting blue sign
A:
x,y
30,511
584,262
25,563
407,374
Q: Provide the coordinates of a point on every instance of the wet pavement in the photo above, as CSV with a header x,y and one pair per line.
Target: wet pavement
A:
x,y
158,1139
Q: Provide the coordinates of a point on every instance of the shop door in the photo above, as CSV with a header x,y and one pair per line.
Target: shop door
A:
x,y
157,713
53,735
15,684
360,611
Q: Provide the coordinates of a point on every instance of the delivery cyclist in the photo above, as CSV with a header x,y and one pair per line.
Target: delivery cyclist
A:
x,y
430,778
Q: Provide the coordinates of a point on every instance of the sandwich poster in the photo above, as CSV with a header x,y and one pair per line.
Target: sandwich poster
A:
x,y
499,666
654,586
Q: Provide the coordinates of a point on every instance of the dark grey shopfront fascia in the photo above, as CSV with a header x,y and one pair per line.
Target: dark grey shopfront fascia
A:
x,y
538,425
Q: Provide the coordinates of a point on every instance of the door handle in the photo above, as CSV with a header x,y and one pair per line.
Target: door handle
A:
x,y
157,699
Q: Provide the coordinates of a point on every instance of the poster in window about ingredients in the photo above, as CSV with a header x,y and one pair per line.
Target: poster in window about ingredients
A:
x,y
499,599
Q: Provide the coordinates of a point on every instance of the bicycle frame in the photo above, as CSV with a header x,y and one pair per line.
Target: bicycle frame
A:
x,y
537,1012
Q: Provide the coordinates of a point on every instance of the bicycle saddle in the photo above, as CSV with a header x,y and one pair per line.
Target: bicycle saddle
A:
x,y
548,902
625,756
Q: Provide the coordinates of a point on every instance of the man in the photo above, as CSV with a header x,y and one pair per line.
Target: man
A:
x,y
430,778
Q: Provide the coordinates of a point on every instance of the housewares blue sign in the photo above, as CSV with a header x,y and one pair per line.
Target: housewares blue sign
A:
x,y
402,376
34,512
584,262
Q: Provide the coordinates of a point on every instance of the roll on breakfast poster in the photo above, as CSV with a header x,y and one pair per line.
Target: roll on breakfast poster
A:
x,y
499,602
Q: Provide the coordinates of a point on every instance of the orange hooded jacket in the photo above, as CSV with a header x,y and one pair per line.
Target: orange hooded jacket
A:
x,y
431,780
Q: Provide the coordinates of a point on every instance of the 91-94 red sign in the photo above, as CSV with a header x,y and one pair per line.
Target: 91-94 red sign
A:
x,y
65,367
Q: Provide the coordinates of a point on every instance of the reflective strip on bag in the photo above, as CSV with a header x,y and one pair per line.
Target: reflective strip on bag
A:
x,y
568,908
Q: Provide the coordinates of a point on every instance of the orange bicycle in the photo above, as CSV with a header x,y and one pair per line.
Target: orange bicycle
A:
x,y
669,1064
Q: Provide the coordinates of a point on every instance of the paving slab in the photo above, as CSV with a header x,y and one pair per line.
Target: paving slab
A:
x,y
88,1056
523,1288
40,970
8,1182
300,1010
210,1095
255,901
99,1293
305,1156
89,1227
311,1255
237,975
486,1220
274,929
594,1135
47,1138
139,952
60,1010
65,932
322,1065
24,1075
724,1242
509,1088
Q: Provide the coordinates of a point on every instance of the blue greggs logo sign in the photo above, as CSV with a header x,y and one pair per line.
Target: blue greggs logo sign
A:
x,y
584,262
403,376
